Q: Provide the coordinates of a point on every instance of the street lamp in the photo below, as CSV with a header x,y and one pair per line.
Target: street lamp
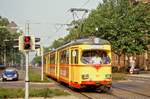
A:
x,y
6,40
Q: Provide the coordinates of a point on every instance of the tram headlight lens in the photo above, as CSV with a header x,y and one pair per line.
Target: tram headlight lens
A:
x,y
108,76
85,76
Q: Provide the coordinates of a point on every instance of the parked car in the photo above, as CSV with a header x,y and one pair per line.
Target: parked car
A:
x,y
136,70
2,66
10,74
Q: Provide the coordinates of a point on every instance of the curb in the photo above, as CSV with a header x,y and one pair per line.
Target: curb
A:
x,y
138,77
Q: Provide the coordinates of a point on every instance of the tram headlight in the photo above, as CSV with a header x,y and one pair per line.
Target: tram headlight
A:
x,y
85,76
108,76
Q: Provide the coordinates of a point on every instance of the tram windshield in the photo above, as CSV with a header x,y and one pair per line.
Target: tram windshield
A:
x,y
95,57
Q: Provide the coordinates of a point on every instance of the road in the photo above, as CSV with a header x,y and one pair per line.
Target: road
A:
x,y
135,84
21,82
133,88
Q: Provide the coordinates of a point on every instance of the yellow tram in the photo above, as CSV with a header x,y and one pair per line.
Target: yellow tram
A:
x,y
73,63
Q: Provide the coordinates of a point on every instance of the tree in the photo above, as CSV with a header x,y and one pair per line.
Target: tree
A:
x,y
57,43
6,42
37,60
125,25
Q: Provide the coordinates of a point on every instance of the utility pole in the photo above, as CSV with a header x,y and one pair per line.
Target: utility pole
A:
x,y
42,65
27,76
27,70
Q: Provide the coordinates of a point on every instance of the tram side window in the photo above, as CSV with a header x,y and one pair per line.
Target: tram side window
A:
x,y
64,57
52,59
48,60
44,60
74,56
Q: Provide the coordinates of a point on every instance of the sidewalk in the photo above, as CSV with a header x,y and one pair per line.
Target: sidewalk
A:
x,y
55,97
141,75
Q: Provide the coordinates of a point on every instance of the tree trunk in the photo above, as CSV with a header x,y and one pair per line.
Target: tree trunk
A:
x,y
145,60
119,65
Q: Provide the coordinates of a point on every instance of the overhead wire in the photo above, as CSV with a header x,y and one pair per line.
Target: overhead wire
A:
x,y
86,3
58,29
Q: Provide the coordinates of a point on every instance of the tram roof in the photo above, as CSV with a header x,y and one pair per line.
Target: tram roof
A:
x,y
87,41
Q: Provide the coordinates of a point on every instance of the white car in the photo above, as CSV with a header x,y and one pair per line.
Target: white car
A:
x,y
10,74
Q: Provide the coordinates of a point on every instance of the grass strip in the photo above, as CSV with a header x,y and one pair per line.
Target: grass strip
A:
x,y
35,76
19,93
118,76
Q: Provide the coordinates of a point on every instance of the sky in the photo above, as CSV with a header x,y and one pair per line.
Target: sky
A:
x,y
43,15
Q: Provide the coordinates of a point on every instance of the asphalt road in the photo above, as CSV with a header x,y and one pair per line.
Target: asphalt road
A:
x,y
137,84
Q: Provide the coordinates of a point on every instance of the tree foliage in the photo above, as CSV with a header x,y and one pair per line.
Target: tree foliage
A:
x,y
124,24
7,41
37,60
57,43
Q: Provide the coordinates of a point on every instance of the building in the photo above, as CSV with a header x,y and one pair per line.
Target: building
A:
x,y
12,27
144,1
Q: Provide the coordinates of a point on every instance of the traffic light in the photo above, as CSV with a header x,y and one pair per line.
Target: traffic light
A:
x,y
37,45
27,43
21,43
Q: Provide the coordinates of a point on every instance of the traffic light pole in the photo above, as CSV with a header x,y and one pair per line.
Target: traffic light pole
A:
x,y
27,76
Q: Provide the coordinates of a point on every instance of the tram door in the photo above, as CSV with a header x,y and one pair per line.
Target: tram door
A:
x,y
74,64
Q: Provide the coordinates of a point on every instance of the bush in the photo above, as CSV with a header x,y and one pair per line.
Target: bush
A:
x,y
122,70
115,69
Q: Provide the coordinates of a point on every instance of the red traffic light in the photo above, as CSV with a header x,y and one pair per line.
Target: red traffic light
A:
x,y
27,41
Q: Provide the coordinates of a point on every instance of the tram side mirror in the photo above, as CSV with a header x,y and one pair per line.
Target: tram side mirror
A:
x,y
74,54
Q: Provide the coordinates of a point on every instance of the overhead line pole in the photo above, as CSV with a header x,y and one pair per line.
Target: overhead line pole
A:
x,y
42,58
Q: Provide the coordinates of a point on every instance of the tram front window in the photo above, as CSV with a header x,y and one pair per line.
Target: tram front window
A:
x,y
95,57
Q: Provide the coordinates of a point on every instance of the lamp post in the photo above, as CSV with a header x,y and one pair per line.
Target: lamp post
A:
x,y
5,57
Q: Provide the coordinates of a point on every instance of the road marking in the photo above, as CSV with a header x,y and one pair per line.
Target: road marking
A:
x,y
140,81
125,81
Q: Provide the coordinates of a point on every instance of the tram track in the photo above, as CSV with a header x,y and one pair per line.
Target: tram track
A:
x,y
87,94
133,92
76,93
115,93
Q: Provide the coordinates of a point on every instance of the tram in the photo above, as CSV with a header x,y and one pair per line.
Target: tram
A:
x,y
73,64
